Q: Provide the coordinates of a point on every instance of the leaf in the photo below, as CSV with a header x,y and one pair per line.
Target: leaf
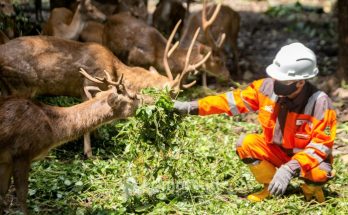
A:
x,y
79,183
67,182
31,192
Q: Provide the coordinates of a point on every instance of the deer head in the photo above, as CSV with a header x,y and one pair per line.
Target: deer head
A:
x,y
119,97
6,8
89,11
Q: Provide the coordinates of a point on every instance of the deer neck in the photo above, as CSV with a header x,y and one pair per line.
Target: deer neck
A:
x,y
76,25
74,121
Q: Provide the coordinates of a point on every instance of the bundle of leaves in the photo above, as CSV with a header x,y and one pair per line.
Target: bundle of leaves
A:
x,y
159,123
156,132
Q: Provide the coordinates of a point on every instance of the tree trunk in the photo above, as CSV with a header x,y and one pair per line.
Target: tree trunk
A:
x,y
342,6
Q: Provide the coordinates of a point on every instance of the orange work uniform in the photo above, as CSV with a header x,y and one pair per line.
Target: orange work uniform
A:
x,y
303,129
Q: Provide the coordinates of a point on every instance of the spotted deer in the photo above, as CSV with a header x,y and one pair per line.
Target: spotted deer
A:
x,y
28,130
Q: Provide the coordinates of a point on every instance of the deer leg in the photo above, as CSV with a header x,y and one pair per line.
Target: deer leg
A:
x,y
204,79
21,168
5,176
87,148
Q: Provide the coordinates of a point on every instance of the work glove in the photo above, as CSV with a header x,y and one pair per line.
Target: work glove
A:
x,y
282,177
186,107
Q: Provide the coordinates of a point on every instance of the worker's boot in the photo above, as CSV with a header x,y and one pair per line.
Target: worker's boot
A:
x,y
263,173
311,191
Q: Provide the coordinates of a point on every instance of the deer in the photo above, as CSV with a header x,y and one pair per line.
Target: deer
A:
x,y
44,65
136,8
138,44
6,12
167,14
227,22
24,140
68,25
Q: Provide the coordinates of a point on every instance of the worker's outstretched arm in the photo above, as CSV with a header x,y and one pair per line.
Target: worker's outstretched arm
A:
x,y
233,102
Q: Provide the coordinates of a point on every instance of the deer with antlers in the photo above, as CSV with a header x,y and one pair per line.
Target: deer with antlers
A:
x,y
68,25
23,140
40,65
139,44
224,22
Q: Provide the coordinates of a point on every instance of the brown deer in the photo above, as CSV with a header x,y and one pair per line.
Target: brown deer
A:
x,y
167,14
68,25
136,8
137,43
3,38
28,130
6,8
41,65
6,12
227,22
92,32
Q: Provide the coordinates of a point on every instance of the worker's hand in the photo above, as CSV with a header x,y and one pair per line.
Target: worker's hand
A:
x,y
186,107
282,177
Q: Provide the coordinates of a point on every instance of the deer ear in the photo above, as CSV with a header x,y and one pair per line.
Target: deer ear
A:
x,y
113,97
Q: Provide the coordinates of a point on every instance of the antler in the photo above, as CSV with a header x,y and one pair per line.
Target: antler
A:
x,y
168,52
206,24
119,85
187,67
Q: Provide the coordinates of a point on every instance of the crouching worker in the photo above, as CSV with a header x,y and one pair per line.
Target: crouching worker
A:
x,y
297,119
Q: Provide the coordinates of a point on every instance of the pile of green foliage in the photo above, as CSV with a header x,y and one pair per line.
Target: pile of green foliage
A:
x,y
154,138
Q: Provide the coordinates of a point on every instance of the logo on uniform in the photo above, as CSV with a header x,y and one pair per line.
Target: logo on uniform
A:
x,y
268,108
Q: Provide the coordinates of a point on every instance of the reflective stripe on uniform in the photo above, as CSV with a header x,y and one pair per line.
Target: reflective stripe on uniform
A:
x,y
246,104
324,149
311,102
295,150
267,89
232,103
312,153
277,135
274,97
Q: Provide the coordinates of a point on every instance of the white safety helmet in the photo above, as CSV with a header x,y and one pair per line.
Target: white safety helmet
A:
x,y
293,62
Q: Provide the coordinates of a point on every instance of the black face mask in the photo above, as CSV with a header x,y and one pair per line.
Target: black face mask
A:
x,y
283,89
